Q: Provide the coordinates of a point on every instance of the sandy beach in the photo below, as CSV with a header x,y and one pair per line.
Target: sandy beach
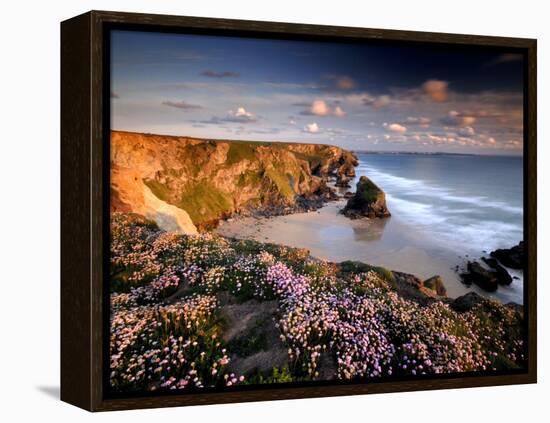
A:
x,y
391,242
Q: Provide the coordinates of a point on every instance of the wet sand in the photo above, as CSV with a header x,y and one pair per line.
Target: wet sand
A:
x,y
390,242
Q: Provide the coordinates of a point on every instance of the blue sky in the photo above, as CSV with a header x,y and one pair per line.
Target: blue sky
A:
x,y
358,96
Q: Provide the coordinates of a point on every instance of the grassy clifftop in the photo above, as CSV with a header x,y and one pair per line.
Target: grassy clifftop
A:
x,y
211,179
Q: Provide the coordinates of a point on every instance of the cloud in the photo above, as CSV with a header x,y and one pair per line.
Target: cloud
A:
x,y
339,112
337,83
321,108
505,58
437,90
240,115
423,122
467,131
395,127
312,128
222,74
455,118
377,102
344,83
182,105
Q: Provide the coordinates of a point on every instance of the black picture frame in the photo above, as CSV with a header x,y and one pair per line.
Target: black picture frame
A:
x,y
85,129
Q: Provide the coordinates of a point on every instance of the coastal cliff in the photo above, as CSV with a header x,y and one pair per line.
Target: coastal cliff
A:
x,y
185,184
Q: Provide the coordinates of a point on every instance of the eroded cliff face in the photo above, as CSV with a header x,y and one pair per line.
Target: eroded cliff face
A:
x,y
186,183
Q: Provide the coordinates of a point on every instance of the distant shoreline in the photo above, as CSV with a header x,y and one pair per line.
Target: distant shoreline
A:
x,y
436,153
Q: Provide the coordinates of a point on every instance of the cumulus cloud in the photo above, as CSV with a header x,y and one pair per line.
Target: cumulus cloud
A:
x,y
339,112
337,83
436,89
221,74
467,131
377,102
423,122
181,105
321,108
345,83
312,128
395,127
455,118
240,115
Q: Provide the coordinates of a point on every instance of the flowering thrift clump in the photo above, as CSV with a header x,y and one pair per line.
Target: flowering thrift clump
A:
x,y
166,330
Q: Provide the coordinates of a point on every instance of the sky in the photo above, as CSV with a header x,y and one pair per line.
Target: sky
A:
x,y
363,97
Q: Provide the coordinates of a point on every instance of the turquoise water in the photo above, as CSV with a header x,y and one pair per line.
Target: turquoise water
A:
x,y
466,204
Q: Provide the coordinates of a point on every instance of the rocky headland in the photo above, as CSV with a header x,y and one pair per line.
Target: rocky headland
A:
x,y
188,184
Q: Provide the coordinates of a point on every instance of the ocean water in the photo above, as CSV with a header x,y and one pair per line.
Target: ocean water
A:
x,y
465,204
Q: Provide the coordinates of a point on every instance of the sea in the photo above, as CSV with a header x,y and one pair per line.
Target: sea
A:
x,y
466,203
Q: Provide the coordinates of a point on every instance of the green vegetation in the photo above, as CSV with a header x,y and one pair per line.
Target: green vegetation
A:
x,y
282,183
204,203
368,190
240,150
282,375
161,191
359,267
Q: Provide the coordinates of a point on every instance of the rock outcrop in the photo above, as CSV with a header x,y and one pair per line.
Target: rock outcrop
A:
x,y
502,275
480,276
435,283
185,184
513,258
412,288
369,201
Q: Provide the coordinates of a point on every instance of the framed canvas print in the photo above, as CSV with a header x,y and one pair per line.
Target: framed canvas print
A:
x,y
257,211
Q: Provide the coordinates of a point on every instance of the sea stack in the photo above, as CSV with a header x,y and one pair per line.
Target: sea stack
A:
x,y
369,201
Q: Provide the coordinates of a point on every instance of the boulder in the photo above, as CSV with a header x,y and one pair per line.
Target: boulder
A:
x,y
502,275
513,258
410,287
369,201
482,277
435,283
466,302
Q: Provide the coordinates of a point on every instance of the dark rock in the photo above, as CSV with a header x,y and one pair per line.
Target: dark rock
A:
x,y
503,277
369,201
513,258
411,288
343,181
480,276
408,279
466,302
435,283
348,194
